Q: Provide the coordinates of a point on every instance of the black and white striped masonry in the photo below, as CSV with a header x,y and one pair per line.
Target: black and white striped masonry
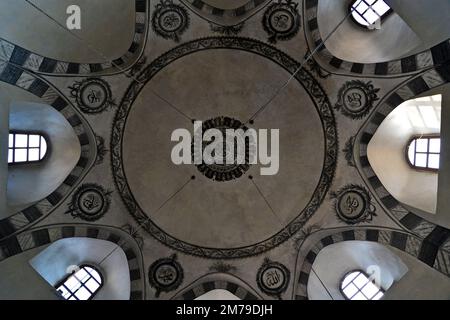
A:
x,y
40,88
36,238
434,56
406,242
435,235
28,60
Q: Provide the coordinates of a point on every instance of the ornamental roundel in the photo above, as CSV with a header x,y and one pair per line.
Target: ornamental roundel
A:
x,y
353,204
170,20
92,95
281,20
273,278
356,98
165,274
90,202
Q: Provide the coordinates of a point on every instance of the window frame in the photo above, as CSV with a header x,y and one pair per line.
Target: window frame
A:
x,y
61,283
28,133
382,18
341,288
424,136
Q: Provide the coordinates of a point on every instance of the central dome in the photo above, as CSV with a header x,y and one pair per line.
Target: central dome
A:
x,y
240,215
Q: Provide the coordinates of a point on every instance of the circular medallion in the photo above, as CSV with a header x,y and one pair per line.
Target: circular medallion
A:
x,y
92,95
356,98
170,20
353,204
90,202
281,20
165,275
224,209
273,278
234,160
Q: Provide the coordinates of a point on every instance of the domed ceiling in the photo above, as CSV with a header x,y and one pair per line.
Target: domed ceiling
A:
x,y
245,65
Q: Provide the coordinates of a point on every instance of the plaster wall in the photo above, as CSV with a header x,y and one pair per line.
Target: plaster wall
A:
x,y
52,264
32,182
334,261
387,156
428,19
24,25
354,43
4,129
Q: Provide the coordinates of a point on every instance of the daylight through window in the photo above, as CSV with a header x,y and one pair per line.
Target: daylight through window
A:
x,y
24,147
356,285
367,12
81,285
424,152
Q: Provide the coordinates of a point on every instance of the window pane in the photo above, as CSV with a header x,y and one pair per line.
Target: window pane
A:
x,y
371,16
33,154
359,18
20,155
360,280
433,161
435,145
378,296
370,290
43,148
349,278
11,140
361,7
34,141
421,145
21,140
359,296
350,290
82,275
64,292
380,7
92,285
10,155
83,294
72,283
421,160
411,152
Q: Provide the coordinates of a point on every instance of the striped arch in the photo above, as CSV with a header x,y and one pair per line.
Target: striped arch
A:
x,y
422,250
23,58
43,236
40,88
435,235
225,16
209,285
435,56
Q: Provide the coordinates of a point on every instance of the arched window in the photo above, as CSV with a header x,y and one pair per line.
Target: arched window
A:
x,y
82,284
367,12
424,152
24,147
356,285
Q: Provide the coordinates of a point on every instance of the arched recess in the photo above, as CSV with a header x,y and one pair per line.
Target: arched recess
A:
x,y
216,281
407,216
421,250
387,152
35,240
417,59
63,153
47,63
226,12
30,87
54,262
